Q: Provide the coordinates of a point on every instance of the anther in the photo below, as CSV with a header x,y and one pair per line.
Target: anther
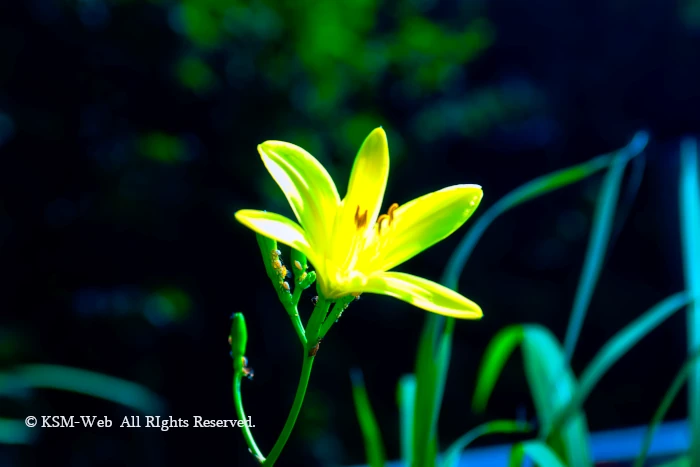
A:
x,y
297,264
391,210
360,220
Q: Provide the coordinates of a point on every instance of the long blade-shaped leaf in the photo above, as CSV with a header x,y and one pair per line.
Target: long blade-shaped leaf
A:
x,y
16,432
374,448
432,364
666,402
689,203
615,348
603,221
538,187
551,381
407,402
85,382
452,454
538,452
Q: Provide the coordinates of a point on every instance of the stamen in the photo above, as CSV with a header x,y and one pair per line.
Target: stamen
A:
x,y
380,221
389,218
392,208
360,220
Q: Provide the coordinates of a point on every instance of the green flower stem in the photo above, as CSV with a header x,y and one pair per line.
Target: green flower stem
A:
x,y
296,320
294,413
313,327
238,402
296,295
332,318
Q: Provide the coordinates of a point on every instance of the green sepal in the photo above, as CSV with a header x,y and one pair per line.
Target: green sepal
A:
x,y
239,340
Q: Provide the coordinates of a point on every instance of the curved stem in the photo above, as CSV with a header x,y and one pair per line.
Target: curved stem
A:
x,y
296,321
294,412
247,434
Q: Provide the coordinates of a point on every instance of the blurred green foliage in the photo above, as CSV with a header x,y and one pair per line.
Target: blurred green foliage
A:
x,y
336,62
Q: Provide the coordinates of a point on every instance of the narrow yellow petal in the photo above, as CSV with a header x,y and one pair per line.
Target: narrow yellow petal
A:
x,y
421,223
424,294
307,186
367,184
278,228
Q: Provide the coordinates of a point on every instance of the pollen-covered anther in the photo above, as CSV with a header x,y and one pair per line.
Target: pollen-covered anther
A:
x,y
275,254
387,218
276,264
360,219
302,277
297,264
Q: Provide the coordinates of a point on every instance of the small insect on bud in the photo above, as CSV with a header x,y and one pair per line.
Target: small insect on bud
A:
x,y
285,286
297,265
314,300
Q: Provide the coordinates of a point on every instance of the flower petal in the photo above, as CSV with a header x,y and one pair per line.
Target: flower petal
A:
x,y
367,184
424,294
421,223
307,186
278,228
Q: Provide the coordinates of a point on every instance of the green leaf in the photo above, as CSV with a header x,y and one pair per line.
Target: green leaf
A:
x,y
406,397
374,449
85,382
530,190
452,454
666,402
537,451
689,204
603,221
432,364
16,432
615,348
551,382
679,462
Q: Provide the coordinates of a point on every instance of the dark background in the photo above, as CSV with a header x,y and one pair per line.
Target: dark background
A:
x,y
128,133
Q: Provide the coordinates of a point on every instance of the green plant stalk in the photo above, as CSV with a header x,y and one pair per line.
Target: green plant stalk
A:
x,y
666,402
689,207
437,331
615,348
296,295
238,403
293,313
310,349
85,382
601,230
294,412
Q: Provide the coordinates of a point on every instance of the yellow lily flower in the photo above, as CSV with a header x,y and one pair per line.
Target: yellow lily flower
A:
x,y
351,246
